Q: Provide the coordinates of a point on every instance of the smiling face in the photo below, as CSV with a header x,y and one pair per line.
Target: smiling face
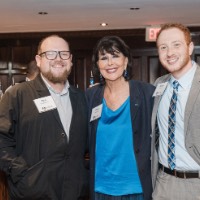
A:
x,y
174,52
56,70
112,65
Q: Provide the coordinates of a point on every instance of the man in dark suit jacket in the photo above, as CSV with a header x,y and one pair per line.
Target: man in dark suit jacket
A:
x,y
178,180
43,131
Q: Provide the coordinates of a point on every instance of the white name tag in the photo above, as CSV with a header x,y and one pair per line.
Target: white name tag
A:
x,y
96,112
160,89
45,104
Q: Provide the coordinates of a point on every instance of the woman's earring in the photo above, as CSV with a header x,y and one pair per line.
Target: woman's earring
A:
x,y
101,78
125,74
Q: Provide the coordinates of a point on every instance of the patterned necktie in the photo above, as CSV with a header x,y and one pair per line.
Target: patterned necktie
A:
x,y
171,127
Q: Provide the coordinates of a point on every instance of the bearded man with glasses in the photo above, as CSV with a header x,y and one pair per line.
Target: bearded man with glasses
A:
x,y
43,131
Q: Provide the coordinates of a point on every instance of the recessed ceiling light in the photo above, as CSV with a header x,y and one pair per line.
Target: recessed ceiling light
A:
x,y
134,8
43,13
104,24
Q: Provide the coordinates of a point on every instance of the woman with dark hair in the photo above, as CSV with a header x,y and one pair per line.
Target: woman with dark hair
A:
x,y
119,126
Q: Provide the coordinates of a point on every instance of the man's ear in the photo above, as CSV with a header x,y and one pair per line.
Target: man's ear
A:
x,y
191,48
38,60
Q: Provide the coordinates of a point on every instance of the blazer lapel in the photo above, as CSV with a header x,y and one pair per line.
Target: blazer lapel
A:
x,y
135,101
193,94
98,97
43,91
158,98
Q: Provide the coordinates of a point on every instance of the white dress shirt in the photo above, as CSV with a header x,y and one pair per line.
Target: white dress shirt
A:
x,y
184,162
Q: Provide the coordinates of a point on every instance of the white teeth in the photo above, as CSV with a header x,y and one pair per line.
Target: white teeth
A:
x,y
111,70
171,61
57,66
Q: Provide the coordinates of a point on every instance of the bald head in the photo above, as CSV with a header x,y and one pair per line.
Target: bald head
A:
x,y
48,40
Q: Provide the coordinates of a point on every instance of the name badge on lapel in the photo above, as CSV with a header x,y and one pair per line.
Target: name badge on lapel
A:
x,y
160,89
96,112
45,104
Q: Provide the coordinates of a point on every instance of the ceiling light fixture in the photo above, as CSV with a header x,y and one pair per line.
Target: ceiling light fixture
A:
x,y
42,13
134,8
104,24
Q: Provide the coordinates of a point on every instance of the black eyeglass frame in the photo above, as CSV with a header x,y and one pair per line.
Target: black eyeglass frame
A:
x,y
57,52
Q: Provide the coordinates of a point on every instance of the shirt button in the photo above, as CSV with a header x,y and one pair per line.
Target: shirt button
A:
x,y
63,134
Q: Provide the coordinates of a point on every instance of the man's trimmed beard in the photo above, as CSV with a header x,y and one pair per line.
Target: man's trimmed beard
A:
x,y
57,79
182,63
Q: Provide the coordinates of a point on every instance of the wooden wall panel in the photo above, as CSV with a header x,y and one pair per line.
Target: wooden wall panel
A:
x,y
4,81
197,58
80,73
81,69
4,56
21,56
146,65
196,55
154,69
137,68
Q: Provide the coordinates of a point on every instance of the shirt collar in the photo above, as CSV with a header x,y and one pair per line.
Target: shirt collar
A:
x,y
64,91
186,80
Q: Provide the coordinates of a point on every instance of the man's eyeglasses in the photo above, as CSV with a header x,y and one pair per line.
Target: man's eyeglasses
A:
x,y
52,55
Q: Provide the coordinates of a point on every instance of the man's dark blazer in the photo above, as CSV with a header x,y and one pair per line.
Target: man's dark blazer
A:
x,y
39,160
141,103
